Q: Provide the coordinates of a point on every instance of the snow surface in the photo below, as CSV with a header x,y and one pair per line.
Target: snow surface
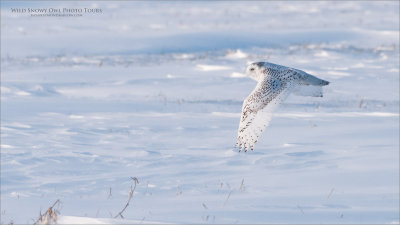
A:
x,y
153,90
88,220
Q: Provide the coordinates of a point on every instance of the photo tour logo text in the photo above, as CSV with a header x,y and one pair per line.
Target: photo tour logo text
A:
x,y
57,11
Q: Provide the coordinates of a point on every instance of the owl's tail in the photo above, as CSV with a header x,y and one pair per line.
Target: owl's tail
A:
x,y
315,81
310,86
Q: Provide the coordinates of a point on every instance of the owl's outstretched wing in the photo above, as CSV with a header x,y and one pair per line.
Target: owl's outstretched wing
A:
x,y
258,107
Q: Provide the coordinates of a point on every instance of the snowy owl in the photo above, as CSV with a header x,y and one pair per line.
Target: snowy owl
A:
x,y
275,83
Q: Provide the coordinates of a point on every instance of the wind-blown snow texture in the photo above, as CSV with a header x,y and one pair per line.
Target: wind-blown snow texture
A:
x,y
154,90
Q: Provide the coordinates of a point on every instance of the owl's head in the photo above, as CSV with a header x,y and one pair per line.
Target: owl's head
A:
x,y
255,70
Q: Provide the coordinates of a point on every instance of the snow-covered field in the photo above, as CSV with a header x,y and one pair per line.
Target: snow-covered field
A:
x,y
153,90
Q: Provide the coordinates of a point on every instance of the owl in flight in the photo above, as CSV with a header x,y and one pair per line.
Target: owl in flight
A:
x,y
275,83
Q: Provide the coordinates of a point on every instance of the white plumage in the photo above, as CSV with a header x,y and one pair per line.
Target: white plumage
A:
x,y
275,83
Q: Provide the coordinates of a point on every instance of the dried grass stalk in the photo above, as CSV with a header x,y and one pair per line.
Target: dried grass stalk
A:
x,y
50,216
136,181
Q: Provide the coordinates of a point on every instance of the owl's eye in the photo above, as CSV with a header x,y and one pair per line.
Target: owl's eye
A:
x,y
252,69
